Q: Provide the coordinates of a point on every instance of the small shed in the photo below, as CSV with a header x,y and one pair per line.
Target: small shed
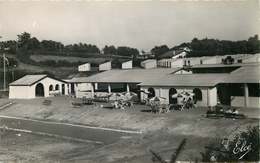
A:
x,y
105,66
127,65
149,63
32,86
84,67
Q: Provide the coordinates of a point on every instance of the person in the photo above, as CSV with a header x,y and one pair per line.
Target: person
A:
x,y
229,111
234,111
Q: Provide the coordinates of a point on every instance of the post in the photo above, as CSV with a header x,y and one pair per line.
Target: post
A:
x,y
92,90
246,94
96,86
109,88
4,71
127,88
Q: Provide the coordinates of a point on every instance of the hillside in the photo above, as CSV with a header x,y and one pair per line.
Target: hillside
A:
x,y
58,71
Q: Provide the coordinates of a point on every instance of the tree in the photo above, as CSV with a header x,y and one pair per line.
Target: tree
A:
x,y
23,40
109,50
242,147
159,50
33,43
127,51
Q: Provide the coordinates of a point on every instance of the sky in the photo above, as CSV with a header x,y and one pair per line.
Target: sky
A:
x,y
139,24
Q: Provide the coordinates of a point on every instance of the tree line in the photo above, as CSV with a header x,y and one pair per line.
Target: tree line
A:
x,y
27,43
213,47
198,47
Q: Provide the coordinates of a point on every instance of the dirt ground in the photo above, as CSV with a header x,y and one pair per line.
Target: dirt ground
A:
x,y
17,146
160,132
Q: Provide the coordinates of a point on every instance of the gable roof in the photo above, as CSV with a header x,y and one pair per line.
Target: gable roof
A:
x,y
149,60
29,80
191,80
126,75
245,74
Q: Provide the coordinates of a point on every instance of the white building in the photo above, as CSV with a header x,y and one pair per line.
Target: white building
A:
x,y
244,86
105,66
32,86
127,65
84,67
204,86
254,58
149,63
194,61
125,80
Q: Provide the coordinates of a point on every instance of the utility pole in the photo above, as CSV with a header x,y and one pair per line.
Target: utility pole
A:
x,y
4,71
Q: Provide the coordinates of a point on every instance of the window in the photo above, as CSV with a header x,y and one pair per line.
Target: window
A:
x,y
198,94
254,90
237,89
57,87
151,93
102,87
51,88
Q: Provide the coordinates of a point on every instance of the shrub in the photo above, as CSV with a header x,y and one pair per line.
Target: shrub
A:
x,y
243,147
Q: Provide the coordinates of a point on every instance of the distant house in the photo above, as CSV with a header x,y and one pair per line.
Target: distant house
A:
x,y
127,65
227,59
171,63
84,67
181,62
32,86
105,66
145,55
175,53
149,63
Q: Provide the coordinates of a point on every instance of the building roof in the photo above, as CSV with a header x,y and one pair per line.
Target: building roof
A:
x,y
126,75
149,60
190,80
245,74
28,80
84,64
223,65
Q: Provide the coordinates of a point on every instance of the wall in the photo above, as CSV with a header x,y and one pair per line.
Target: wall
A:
x,y
177,63
127,65
213,60
105,66
83,89
149,64
209,96
84,67
239,101
21,92
252,59
193,61
213,100
49,81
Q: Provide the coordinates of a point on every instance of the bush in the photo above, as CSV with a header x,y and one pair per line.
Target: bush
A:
x,y
243,147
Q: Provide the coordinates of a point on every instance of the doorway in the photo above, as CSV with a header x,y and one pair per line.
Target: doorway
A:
x,y
39,90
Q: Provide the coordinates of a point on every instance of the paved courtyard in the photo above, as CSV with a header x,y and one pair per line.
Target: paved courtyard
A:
x,y
160,132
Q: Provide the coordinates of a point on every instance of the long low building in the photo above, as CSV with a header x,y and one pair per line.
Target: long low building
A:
x,y
209,88
204,86
238,87
116,80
